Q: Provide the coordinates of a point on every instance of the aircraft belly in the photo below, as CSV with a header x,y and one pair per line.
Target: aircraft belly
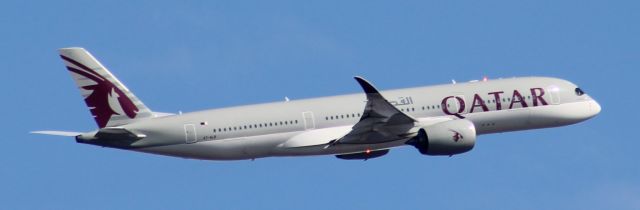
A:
x,y
559,115
500,121
530,118
337,149
227,149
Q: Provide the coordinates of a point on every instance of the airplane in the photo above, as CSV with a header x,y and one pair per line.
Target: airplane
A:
x,y
441,120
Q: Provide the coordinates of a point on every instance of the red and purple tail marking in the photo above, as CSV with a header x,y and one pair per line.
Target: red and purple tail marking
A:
x,y
101,92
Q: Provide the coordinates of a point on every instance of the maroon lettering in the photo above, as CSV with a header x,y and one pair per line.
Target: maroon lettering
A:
x,y
496,95
478,102
537,96
517,98
445,108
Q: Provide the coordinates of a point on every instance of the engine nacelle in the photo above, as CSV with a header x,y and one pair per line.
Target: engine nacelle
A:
x,y
445,138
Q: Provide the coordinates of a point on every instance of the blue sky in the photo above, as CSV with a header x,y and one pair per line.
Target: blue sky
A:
x,y
187,56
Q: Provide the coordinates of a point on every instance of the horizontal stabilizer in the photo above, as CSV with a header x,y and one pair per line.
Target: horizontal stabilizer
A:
x,y
111,137
57,133
162,114
117,133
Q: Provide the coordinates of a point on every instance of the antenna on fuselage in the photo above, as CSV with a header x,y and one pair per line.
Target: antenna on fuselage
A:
x,y
286,99
453,81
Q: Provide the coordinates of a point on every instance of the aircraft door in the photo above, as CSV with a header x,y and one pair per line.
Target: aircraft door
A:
x,y
190,133
308,120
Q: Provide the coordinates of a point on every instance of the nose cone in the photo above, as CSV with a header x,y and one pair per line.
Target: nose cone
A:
x,y
594,108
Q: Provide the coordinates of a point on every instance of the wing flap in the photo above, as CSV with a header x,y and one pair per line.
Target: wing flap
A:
x,y
368,154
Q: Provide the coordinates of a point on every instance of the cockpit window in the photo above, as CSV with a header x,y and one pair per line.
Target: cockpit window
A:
x,y
579,92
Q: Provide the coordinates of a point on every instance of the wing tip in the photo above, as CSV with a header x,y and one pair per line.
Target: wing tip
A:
x,y
366,85
56,133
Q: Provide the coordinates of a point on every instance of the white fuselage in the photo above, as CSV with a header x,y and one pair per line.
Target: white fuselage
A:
x,y
304,127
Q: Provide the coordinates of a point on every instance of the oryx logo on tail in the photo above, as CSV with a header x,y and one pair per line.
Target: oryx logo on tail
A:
x,y
103,98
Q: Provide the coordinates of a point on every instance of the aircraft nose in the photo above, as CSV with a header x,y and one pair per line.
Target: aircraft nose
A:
x,y
594,107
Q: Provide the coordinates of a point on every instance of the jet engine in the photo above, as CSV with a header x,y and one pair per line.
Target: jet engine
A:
x,y
445,138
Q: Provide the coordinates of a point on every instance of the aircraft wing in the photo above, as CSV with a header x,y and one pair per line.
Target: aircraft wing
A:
x,y
380,121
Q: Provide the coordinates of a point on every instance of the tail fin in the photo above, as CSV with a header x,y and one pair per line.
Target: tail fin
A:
x,y
109,101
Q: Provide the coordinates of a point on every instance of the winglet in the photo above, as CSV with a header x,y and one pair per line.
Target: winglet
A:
x,y
381,121
366,85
